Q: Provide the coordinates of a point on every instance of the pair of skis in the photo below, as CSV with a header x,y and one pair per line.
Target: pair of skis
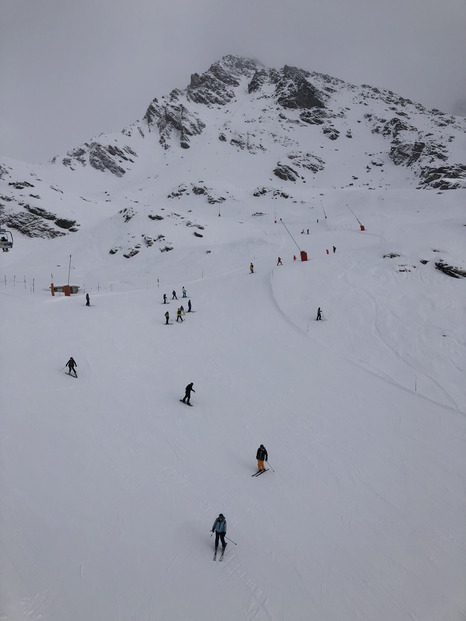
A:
x,y
259,472
222,553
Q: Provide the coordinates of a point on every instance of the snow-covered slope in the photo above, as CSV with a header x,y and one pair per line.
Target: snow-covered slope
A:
x,y
110,485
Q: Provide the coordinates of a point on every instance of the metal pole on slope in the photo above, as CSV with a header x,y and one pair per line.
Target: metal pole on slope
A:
x,y
360,224
290,234
69,270
323,209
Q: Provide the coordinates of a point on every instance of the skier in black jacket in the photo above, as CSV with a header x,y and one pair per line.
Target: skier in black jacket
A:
x,y
71,364
187,395
261,456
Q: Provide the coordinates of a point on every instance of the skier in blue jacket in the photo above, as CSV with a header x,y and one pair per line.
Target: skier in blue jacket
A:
x,y
220,529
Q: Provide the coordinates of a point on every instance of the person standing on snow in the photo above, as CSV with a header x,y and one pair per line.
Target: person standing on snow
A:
x,y
88,300
220,529
167,317
251,267
164,298
184,292
189,306
178,315
187,393
261,456
319,315
71,364
279,262
174,295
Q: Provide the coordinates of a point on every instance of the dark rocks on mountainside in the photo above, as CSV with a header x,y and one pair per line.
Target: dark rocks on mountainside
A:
x,y
238,141
274,192
3,171
394,126
406,154
20,185
173,115
38,211
214,200
199,189
307,160
259,78
449,270
180,190
207,89
285,172
315,116
31,225
216,85
444,177
294,91
101,157
127,213
331,132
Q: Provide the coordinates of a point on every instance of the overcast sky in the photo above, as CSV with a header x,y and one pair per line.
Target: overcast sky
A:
x,y
71,69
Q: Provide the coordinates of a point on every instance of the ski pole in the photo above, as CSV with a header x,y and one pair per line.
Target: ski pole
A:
x,y
230,540
270,466
61,369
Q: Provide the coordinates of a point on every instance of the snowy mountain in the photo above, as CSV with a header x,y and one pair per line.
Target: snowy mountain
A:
x,y
110,485
272,133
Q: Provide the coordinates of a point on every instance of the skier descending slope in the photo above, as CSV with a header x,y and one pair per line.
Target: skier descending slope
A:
x,y
220,529
187,394
261,456
71,364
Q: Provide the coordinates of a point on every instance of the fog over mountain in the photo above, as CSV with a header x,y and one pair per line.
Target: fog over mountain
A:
x,y
61,61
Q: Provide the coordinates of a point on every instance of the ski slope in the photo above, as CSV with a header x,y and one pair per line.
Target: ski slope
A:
x,y
110,485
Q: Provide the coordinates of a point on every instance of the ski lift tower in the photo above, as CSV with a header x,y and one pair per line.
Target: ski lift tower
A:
x,y
6,239
302,253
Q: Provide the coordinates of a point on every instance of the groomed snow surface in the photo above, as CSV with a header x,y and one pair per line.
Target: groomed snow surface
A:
x,y
110,485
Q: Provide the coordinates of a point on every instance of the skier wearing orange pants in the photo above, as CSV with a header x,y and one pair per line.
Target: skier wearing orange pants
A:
x,y
261,456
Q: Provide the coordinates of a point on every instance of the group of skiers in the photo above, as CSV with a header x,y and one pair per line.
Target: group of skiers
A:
x,y
174,296
219,526
180,311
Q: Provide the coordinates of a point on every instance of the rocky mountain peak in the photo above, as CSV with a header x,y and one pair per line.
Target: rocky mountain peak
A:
x,y
291,112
